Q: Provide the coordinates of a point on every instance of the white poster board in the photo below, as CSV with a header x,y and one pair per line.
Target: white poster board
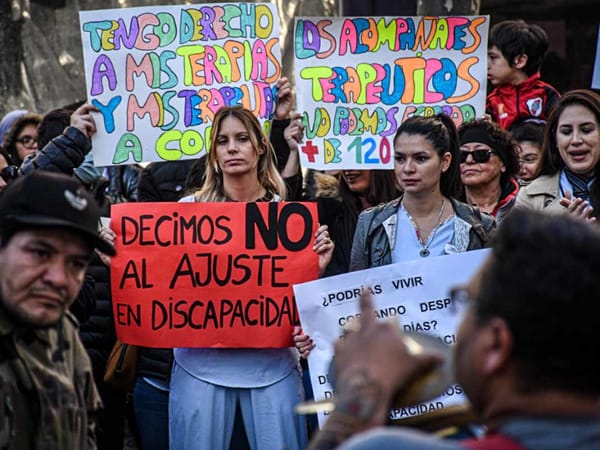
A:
x,y
159,75
415,292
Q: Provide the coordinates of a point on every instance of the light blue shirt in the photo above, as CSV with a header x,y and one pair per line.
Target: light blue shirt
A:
x,y
407,246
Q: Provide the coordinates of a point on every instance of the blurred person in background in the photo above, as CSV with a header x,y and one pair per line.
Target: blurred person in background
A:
x,y
529,134
22,138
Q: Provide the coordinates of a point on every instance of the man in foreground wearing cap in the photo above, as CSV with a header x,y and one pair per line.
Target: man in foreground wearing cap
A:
x,y
48,231
526,353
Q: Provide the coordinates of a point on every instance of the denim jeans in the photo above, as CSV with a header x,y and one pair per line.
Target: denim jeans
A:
x,y
151,407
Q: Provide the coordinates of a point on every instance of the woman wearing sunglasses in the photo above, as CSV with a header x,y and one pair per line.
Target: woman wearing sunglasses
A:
x,y
489,164
570,159
426,220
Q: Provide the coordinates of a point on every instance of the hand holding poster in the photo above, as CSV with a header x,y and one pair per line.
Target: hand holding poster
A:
x,y
210,274
416,293
363,76
159,74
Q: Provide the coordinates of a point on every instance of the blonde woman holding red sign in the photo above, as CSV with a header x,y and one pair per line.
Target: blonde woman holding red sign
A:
x,y
208,385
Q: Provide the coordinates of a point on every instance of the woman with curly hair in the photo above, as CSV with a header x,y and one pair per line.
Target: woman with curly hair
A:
x,y
489,164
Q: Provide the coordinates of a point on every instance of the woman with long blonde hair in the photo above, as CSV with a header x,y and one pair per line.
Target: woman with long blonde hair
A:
x,y
234,172
209,385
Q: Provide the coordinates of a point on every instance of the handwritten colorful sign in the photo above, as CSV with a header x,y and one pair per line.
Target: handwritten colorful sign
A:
x,y
416,293
360,77
210,274
159,74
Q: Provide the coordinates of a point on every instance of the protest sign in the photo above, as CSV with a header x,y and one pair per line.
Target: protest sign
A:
x,y
596,75
159,74
360,77
210,274
415,292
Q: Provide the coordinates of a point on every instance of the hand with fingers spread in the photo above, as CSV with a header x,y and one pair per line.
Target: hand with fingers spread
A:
x,y
303,342
577,207
83,120
324,247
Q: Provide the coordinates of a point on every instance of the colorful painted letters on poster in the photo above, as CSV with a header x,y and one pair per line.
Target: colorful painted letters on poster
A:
x,y
159,74
360,77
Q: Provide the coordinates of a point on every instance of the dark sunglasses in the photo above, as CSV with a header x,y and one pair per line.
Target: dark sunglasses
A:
x,y
9,173
27,140
479,156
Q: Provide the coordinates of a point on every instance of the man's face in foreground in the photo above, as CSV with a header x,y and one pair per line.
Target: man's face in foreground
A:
x,y
468,350
41,273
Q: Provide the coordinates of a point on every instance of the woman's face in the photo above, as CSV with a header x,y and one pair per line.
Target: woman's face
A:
x,y
417,165
26,142
530,155
578,139
234,150
358,181
475,174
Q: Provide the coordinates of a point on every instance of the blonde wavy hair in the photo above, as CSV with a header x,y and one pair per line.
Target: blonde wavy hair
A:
x,y
212,189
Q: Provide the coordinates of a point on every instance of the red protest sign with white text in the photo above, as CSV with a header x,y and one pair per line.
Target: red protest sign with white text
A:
x,y
210,274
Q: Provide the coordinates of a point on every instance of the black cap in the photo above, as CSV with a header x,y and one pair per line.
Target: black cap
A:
x,y
46,199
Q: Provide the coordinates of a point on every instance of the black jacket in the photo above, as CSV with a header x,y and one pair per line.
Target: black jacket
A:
x,y
62,154
282,153
164,181
85,303
98,332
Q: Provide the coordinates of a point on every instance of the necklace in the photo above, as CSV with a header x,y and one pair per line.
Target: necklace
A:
x,y
425,245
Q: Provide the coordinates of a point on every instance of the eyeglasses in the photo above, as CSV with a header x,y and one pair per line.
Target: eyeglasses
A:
x,y
461,300
479,156
9,173
27,140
